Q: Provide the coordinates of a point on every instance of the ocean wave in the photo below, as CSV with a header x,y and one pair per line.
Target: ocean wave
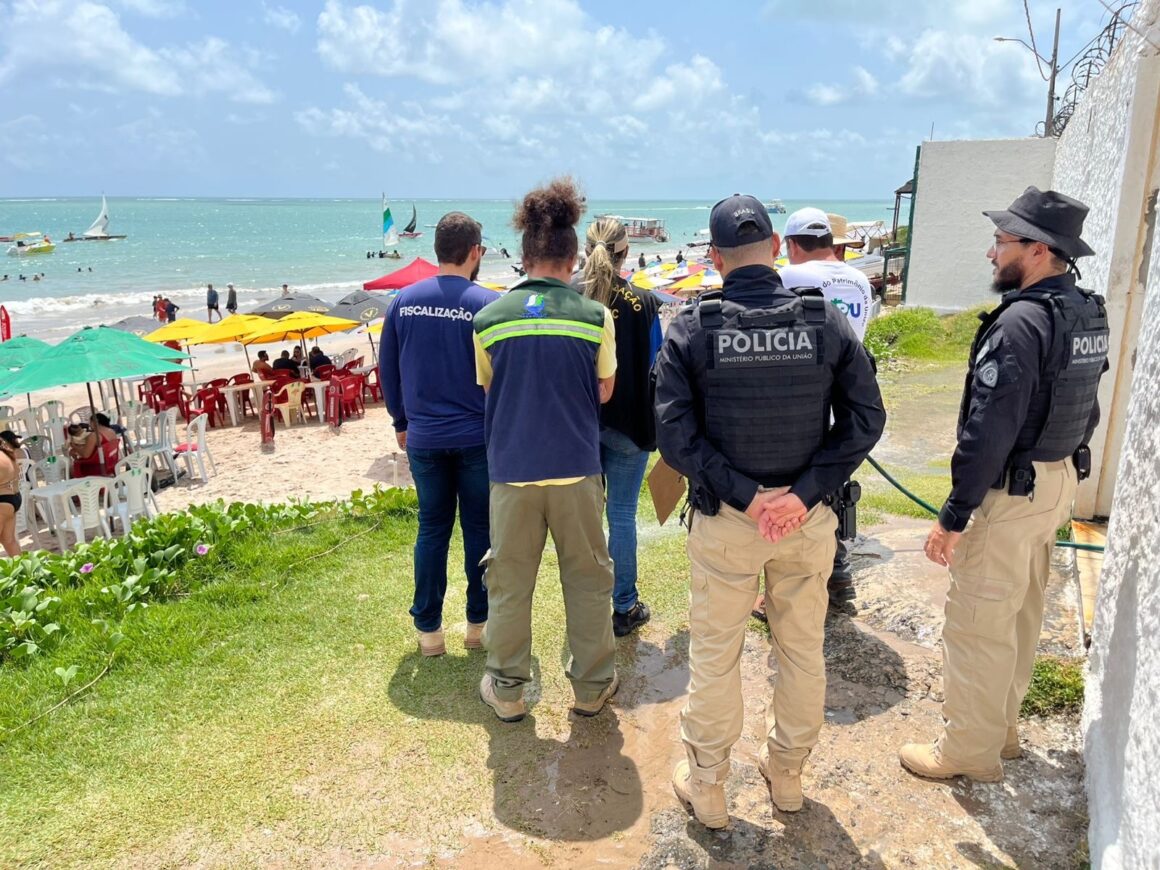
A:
x,y
52,307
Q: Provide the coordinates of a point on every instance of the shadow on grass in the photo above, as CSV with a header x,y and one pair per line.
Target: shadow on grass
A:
x,y
580,788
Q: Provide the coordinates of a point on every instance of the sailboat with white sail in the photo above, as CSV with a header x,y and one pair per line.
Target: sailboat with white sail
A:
x,y
409,230
390,234
99,231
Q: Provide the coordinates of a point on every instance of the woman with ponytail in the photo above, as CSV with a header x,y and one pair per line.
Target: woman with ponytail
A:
x,y
627,427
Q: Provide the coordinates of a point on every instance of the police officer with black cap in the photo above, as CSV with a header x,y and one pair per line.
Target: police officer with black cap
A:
x,y
1028,410
745,383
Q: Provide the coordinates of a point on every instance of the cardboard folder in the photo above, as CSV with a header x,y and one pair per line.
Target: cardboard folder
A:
x,y
667,487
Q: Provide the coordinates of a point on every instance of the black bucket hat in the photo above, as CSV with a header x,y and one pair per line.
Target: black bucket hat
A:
x,y
1046,216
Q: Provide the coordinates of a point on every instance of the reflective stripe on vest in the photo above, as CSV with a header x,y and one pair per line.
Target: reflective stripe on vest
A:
x,y
567,328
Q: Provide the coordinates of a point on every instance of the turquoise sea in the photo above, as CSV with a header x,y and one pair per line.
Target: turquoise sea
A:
x,y
176,246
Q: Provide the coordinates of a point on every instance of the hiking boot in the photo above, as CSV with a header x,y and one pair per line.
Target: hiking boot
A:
x,y
505,711
758,611
840,586
785,783
431,643
626,623
473,636
591,708
1011,748
924,759
705,800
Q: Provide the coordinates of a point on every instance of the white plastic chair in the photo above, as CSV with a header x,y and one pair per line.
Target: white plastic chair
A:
x,y
131,491
56,428
51,469
195,447
162,439
81,415
26,516
45,411
23,423
139,462
87,505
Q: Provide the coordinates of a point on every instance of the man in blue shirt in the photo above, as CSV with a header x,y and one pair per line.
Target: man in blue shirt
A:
x,y
427,367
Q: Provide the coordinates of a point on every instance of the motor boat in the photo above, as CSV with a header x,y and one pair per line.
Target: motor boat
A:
x,y
25,244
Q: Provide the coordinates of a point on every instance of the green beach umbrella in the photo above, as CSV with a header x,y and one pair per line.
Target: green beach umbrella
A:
x,y
81,359
20,351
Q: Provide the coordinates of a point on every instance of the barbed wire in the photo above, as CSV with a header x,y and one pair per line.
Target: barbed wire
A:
x,y
1089,63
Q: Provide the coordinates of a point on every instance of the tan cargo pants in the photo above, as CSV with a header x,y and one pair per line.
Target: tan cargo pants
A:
x,y
521,517
994,612
728,559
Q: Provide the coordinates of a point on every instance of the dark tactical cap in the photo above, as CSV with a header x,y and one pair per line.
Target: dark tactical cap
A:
x,y
739,220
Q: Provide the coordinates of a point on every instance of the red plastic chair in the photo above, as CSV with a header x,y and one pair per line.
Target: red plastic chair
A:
x,y
353,364
352,396
373,386
206,401
324,372
244,397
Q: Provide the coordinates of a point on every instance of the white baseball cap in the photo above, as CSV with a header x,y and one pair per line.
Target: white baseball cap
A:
x,y
808,222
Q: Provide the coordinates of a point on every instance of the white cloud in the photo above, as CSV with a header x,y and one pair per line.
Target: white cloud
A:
x,y
975,70
210,67
83,45
282,18
866,83
153,8
826,95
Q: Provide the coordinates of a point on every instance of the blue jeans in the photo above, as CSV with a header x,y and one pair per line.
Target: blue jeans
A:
x,y
443,478
623,464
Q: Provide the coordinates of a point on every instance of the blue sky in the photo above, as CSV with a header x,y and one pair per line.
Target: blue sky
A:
x,y
455,98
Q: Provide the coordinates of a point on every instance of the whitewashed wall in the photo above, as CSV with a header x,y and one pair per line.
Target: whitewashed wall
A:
x,y
1108,158
949,270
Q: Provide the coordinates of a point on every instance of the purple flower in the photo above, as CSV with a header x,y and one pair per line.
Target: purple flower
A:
x,y
87,568
201,549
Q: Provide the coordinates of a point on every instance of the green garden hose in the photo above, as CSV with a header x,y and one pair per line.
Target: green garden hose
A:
x,y
1071,545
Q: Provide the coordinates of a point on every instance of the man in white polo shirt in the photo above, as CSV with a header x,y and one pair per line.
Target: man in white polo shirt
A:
x,y
817,259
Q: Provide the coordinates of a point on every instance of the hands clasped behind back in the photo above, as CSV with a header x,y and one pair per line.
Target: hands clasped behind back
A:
x,y
777,512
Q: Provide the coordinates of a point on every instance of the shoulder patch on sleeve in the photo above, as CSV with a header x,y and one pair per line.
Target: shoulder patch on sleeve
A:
x,y
988,373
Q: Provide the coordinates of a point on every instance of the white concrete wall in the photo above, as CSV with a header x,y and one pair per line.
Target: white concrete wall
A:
x,y
948,269
1121,720
1108,158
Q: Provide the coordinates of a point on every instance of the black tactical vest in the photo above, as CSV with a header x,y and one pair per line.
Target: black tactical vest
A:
x,y
764,383
1069,375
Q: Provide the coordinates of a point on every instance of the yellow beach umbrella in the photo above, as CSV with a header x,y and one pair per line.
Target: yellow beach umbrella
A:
x,y
375,328
298,326
231,329
182,329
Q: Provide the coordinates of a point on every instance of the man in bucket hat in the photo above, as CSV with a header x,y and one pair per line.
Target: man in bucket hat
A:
x,y
1028,410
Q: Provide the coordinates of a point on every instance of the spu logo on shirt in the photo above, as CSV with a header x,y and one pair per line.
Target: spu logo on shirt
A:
x,y
534,306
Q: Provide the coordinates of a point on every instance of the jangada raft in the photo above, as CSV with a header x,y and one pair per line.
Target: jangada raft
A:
x,y
99,231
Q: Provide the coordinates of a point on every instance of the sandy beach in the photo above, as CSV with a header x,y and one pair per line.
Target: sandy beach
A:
x,y
309,461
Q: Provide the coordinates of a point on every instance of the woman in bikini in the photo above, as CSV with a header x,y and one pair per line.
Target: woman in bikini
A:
x,y
10,498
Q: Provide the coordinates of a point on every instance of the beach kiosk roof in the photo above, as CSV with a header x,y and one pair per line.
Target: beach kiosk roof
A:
x,y
416,270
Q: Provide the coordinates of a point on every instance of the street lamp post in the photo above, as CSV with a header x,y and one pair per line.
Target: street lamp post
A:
x,y
1053,66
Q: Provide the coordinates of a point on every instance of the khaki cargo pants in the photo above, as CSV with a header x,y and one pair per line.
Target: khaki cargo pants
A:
x,y
521,517
728,560
994,612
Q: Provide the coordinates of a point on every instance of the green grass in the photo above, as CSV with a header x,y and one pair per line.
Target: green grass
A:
x,y
919,334
285,703
1056,688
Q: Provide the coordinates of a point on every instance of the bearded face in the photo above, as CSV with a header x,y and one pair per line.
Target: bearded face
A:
x,y
1007,278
